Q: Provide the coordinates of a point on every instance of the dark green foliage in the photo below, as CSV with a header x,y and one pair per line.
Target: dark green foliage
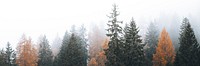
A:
x,y
151,41
10,56
60,59
56,61
73,51
3,58
83,41
187,55
45,53
114,30
132,53
75,55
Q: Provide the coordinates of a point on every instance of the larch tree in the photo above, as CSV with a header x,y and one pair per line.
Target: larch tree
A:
x,y
92,62
100,58
165,54
187,55
26,53
132,50
114,32
96,39
45,57
150,41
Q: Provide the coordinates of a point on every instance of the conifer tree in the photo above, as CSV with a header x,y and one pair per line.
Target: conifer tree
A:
x,y
114,32
132,53
83,40
151,41
75,55
73,51
10,55
60,59
3,58
165,53
26,53
187,55
45,53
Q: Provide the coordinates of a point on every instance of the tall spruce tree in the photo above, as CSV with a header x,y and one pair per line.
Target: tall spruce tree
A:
x,y
114,31
73,51
151,41
75,55
187,55
84,43
45,53
60,59
132,54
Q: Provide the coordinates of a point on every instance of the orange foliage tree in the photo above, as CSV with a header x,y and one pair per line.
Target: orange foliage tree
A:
x,y
96,39
165,53
100,58
26,53
92,62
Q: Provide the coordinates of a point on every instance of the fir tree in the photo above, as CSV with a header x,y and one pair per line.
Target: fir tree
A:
x,y
10,55
45,53
75,55
60,59
151,41
132,54
83,42
3,58
73,51
114,32
187,55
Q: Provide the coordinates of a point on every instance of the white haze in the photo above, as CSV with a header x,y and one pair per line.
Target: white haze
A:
x,y
51,17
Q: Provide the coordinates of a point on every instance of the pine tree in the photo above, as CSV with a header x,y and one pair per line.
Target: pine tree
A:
x,y
187,55
132,53
114,33
45,53
151,40
165,53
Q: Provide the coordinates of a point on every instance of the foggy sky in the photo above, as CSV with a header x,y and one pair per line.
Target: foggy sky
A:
x,y
52,17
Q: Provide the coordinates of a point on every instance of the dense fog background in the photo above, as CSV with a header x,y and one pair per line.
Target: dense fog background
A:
x,y
54,17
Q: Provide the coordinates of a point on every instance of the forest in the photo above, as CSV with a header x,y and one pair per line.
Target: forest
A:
x,y
121,45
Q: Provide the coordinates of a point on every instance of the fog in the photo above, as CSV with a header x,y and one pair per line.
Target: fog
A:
x,y
53,17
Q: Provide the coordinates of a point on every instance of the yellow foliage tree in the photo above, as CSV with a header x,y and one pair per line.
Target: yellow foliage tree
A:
x,y
26,53
165,53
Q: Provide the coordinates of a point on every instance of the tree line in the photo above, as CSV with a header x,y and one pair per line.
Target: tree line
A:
x,y
122,46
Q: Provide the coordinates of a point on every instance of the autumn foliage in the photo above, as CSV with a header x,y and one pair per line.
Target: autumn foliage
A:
x,y
165,53
26,53
100,57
